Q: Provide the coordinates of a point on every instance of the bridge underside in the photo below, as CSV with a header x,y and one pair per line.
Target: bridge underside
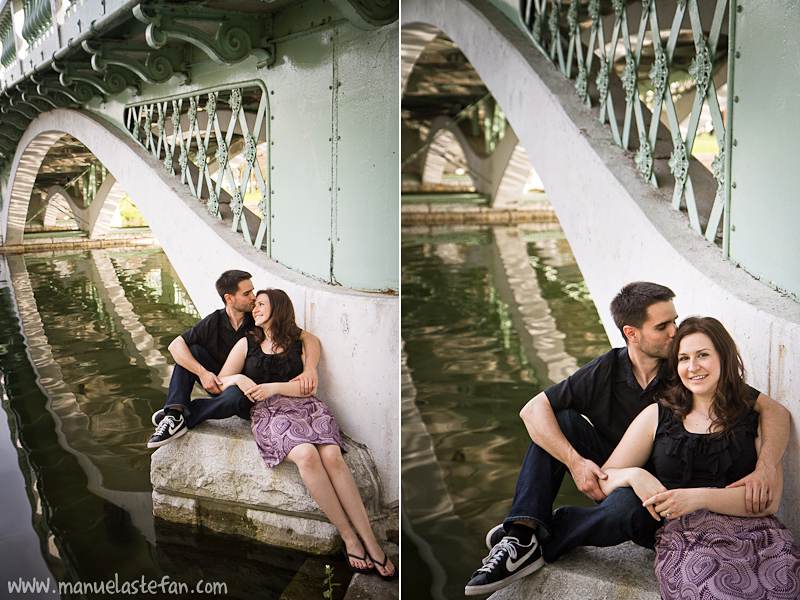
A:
x,y
257,160
620,228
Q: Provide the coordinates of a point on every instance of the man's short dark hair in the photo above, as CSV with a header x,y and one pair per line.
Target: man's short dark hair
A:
x,y
228,282
629,307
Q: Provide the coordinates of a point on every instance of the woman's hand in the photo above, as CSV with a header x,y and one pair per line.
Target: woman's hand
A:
x,y
646,486
675,503
262,391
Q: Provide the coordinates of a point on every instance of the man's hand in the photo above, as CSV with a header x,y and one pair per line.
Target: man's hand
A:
x,y
760,486
308,380
210,382
585,473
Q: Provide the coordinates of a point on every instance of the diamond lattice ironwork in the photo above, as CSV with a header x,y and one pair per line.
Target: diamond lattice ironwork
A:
x,y
237,142
679,162
627,47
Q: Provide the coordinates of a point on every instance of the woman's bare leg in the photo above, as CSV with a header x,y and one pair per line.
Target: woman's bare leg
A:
x,y
350,500
309,463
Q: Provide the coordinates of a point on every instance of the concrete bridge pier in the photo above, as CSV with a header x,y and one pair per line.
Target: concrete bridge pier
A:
x,y
213,477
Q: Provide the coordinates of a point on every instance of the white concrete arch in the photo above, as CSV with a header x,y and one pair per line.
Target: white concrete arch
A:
x,y
501,175
104,205
54,208
95,220
504,177
619,227
442,143
413,41
360,332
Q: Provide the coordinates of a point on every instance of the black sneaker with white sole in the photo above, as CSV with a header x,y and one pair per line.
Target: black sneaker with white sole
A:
x,y
168,429
508,561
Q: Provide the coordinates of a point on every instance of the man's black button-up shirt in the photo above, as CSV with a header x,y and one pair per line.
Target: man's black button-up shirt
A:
x,y
606,391
216,334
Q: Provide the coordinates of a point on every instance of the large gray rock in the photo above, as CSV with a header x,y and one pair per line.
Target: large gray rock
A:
x,y
624,572
214,477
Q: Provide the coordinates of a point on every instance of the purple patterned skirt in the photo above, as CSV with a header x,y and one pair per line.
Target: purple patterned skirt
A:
x,y
708,556
280,423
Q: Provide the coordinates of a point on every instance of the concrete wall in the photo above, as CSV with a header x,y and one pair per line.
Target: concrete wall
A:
x,y
621,229
359,370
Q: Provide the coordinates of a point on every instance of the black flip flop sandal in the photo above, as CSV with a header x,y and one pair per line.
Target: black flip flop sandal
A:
x,y
347,558
383,566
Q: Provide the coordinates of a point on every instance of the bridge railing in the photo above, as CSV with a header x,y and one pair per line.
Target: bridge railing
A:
x,y
218,143
34,32
38,19
640,75
8,54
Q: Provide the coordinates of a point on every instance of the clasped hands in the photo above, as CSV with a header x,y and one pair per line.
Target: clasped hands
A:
x,y
675,503
671,504
214,385
307,380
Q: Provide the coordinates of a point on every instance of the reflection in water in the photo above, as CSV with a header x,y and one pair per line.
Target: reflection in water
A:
x,y
490,317
84,364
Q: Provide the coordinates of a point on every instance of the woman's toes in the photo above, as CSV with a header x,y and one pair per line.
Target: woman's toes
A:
x,y
389,568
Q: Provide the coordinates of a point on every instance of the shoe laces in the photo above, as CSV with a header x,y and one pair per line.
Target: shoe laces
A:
x,y
165,423
508,545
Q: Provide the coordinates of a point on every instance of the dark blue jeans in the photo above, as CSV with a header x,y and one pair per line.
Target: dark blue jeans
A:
x,y
618,518
230,402
221,406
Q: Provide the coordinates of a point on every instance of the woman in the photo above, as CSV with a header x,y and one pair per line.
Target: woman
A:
x,y
288,424
702,436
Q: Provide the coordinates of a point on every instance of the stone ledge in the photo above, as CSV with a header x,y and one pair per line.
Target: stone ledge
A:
x,y
624,572
214,477
372,587
431,214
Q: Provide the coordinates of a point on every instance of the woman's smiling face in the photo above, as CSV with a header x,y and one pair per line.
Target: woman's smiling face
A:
x,y
262,310
698,364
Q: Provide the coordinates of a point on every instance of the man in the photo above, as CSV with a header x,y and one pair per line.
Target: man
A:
x,y
610,391
200,354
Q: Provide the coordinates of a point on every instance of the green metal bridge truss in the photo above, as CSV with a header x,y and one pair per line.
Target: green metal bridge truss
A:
x,y
576,38
201,144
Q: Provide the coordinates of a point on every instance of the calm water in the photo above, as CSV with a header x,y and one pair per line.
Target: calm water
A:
x,y
83,363
490,317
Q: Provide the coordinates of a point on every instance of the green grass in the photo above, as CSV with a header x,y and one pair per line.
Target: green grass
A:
x,y
705,143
